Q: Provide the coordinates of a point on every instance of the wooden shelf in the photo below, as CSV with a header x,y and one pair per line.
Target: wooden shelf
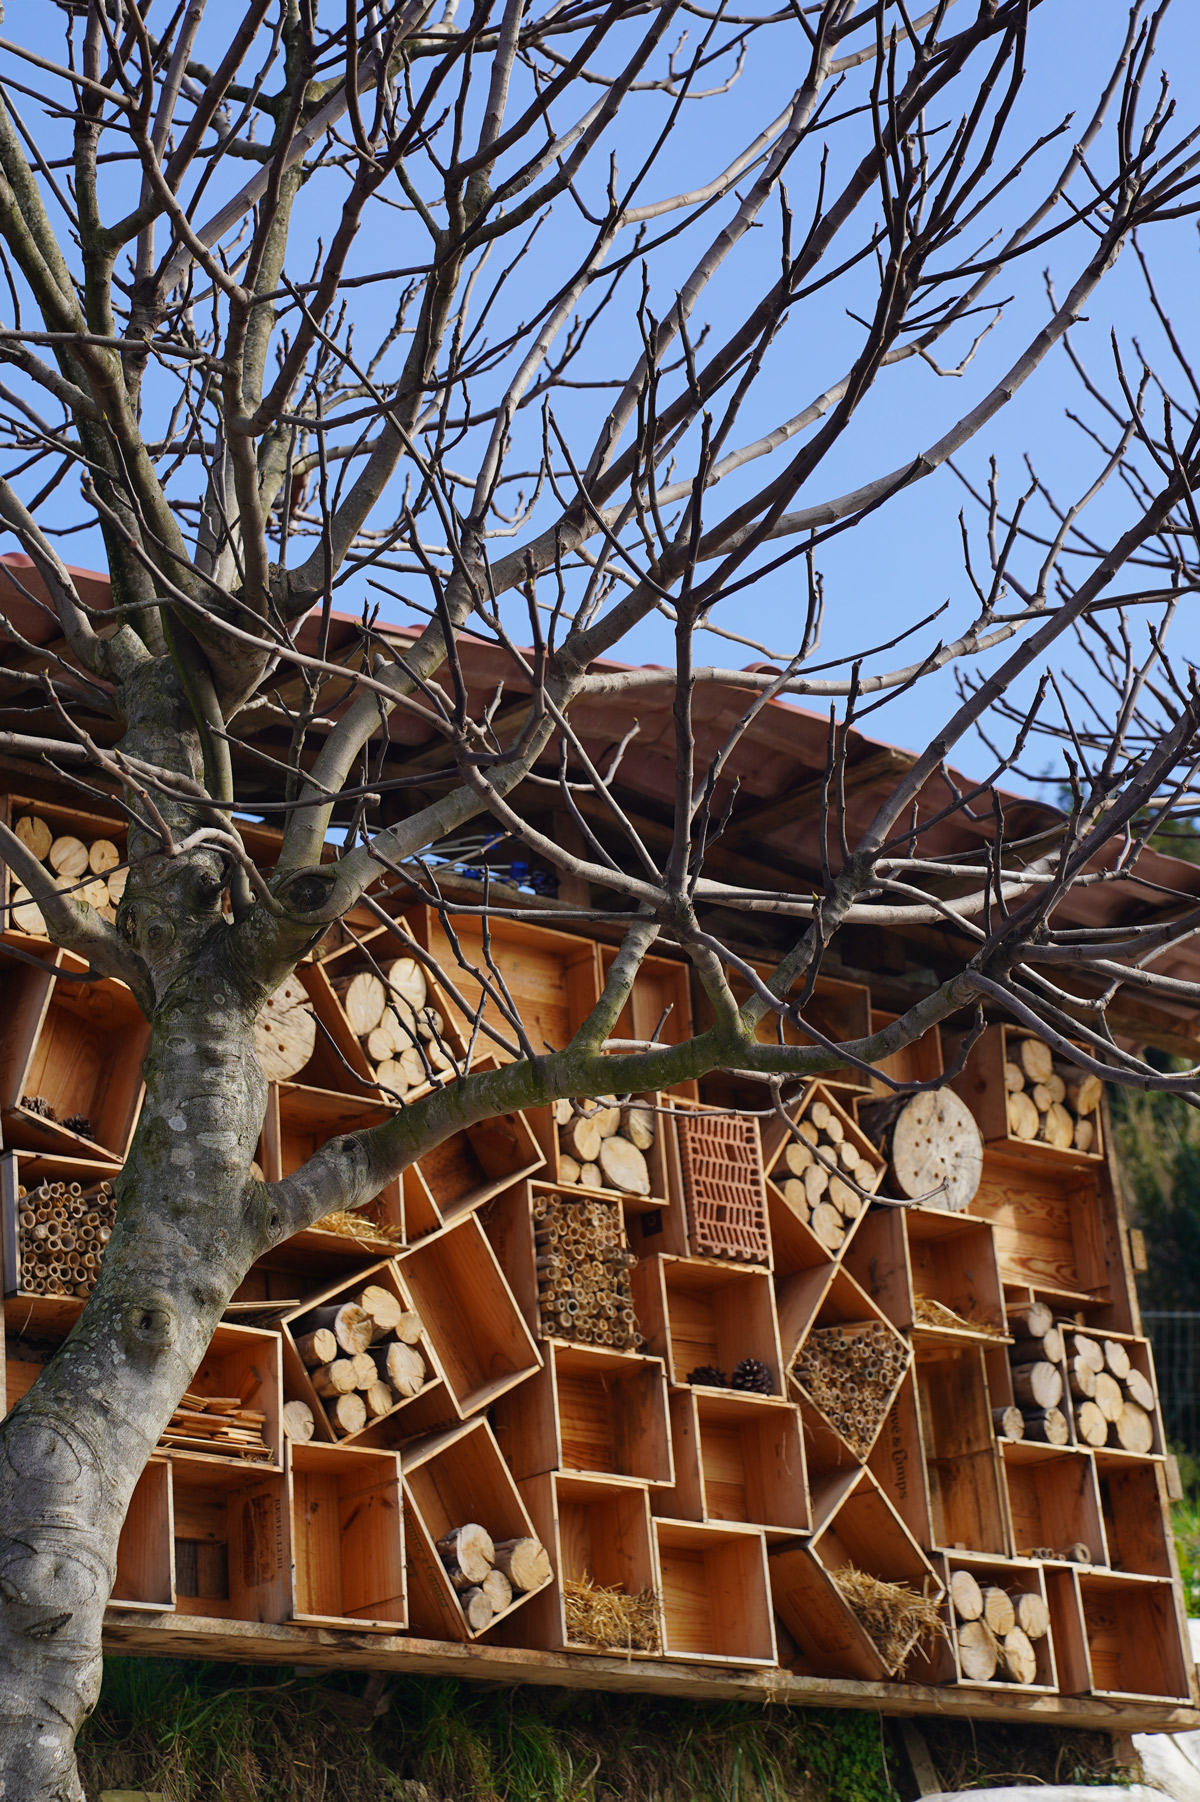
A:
x,y
966,1498
553,978
1053,1499
715,1593
145,1551
695,1312
230,1540
1135,1510
596,1531
1133,1642
981,1085
814,1301
347,1537
589,1410
737,1458
1016,1577
483,1344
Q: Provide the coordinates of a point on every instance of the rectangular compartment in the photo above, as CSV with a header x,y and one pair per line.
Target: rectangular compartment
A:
x,y
145,1561
716,1597
737,1458
347,1537
62,822
661,1156
33,1220
451,1478
589,1410
982,1086
1016,1578
230,1526
698,1313
824,1111
819,1312
659,1007
597,1532
553,978
479,1335
1049,1236
467,1169
1134,1641
245,1362
897,1462
1053,1501
1136,1512
966,1499
77,1049
918,1062
953,1263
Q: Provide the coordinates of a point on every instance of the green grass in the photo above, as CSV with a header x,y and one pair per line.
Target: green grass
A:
x,y
1185,1520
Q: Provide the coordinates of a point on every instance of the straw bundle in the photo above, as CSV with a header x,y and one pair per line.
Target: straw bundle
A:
x,y
928,1312
610,1618
892,1615
358,1226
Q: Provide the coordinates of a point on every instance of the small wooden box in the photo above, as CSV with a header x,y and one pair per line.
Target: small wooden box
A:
x,y
1049,1236
816,1300
694,1312
451,1478
981,1085
662,1160
1015,1577
776,1139
145,1577
64,822
595,1531
953,1261
28,1170
1141,1357
1133,1638
553,978
716,1597
1053,1500
231,1535
483,1344
590,1410
347,1537
966,1500
1135,1509
918,1062
466,1170
737,1458
659,1007
244,1361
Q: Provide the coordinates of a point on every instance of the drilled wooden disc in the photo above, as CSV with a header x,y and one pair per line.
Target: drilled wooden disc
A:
x,y
936,1145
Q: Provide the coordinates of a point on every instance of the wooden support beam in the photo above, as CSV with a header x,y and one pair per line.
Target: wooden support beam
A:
x,y
760,819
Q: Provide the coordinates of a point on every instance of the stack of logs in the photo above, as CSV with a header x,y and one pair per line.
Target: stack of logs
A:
x,y
63,1230
487,1574
995,1632
1036,1356
401,1033
602,1144
363,1358
851,1374
583,1266
220,1425
1113,1401
815,1168
90,871
1055,1103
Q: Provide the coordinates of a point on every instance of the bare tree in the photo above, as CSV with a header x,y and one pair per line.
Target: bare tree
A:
x,y
208,334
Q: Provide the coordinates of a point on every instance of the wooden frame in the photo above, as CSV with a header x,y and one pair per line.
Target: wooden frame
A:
x,y
62,820
966,1496
952,1260
592,1528
662,1159
22,1170
695,1312
1133,1644
981,1085
590,1411
480,1336
1135,1510
347,1537
245,1361
1015,1576
145,1551
472,1166
715,1593
1047,1227
737,1458
775,1139
817,1299
232,1526
1053,1499
897,1461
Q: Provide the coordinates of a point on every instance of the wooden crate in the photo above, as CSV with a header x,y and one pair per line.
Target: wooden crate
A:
x,y
840,1011
1141,1357
1049,1235
694,1312
737,1458
856,1527
966,1497
1133,1637
662,986
589,1410
596,1531
244,1361
467,1169
79,1046
145,1558
952,1259
451,1478
411,1413
1053,1500
24,1171
897,1462
877,1258
480,1336
339,1046
230,1544
918,1062
662,1158
839,1102
715,1593
553,978
1016,1577
63,822
347,1537
794,1245
816,1300
1136,1513
981,1085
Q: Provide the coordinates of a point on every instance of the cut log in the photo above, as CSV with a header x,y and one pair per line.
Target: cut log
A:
x,y
365,1372
568,1169
849,1156
378,1399
35,835
827,1225
1134,1428
1033,1616
798,1156
285,1032
820,1115
403,1366
116,885
562,1111
95,894
1014,1078
1089,1350
639,1125
384,1308
380,1045
1085,1132
317,1348
1084,1094
937,1149
363,999
1037,1385
1009,1423
1031,1351
835,1132
68,857
1020,1659
1055,1087
1138,1388
298,1421
1058,1127
525,1562
498,1590
1108,1398
816,1181
406,977
998,1611
846,1200
338,1378
477,1607
409,1327
1082,1379
581,1137
1043,1100
103,856
808,1132
1090,1424
1023,1117
966,1596
591,1176
1037,1060
391,1075
470,1548
1117,1358
606,1112
624,1166
1033,1323
1048,1428
794,1193
978,1653
349,1324
347,1413
27,916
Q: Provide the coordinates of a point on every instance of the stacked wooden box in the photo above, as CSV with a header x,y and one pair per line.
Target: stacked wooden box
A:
x,y
728,1431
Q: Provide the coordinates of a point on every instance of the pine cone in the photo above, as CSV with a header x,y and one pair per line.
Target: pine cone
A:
x,y
37,1104
81,1124
752,1376
709,1376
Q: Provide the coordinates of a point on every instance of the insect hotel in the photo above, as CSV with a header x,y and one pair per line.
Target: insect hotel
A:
x,y
649,1391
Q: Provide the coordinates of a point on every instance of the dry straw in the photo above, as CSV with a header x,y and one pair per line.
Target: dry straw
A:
x,y
928,1312
892,1615
610,1617
358,1226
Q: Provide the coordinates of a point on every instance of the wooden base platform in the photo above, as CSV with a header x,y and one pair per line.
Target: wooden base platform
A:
x,y
246,1642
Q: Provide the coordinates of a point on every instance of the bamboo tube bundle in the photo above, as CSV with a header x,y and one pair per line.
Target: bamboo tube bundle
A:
x,y
62,1231
363,1356
402,1033
1051,1101
486,1574
894,1616
1112,1398
602,1144
583,1265
851,1373
995,1631
90,869
219,1425
609,1617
